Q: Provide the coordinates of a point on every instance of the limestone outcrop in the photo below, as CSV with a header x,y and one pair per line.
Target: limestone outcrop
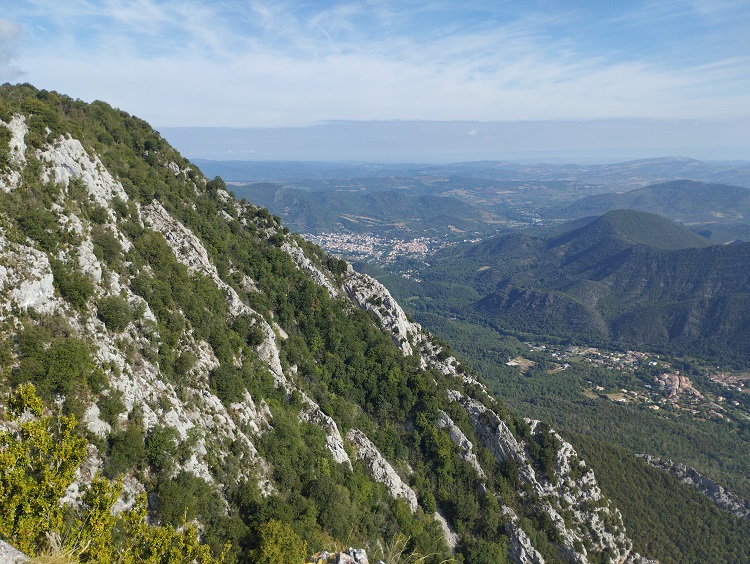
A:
x,y
380,469
723,498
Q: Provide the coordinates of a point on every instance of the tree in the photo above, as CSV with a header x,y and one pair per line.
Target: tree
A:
x,y
279,544
115,312
39,455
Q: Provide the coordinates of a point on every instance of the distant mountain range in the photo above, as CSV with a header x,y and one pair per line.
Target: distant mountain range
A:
x,y
624,175
366,211
628,277
685,201
485,197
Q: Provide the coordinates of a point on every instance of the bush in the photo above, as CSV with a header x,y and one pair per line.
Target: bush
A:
x,y
38,460
57,368
111,406
74,286
98,214
161,447
186,497
279,544
115,312
126,451
184,363
228,383
481,551
5,137
107,247
40,224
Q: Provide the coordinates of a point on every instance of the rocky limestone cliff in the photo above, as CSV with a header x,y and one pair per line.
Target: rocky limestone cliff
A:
x,y
724,499
9,555
213,431
381,470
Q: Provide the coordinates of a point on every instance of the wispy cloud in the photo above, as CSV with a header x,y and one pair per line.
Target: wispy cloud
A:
x,y
10,34
285,62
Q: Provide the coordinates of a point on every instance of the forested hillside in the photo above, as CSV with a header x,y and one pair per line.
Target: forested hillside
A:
x,y
686,201
627,279
532,311
188,381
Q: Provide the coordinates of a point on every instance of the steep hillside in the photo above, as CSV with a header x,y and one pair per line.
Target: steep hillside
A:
x,y
199,365
636,295
628,278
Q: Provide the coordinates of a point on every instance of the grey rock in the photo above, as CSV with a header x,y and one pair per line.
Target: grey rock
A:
x,y
380,469
723,498
11,555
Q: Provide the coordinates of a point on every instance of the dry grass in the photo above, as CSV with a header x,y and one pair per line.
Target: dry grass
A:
x,y
55,553
394,553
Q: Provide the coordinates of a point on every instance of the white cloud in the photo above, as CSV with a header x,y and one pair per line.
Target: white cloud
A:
x,y
10,34
286,63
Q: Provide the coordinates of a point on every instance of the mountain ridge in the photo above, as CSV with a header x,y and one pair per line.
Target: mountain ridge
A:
x,y
601,276
686,201
246,381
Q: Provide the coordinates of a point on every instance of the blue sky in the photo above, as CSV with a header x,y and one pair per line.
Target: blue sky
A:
x,y
290,64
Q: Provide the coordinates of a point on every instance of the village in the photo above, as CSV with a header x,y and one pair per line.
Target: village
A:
x,y
370,247
654,383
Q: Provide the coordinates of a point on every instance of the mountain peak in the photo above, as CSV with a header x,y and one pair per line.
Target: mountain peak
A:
x,y
627,227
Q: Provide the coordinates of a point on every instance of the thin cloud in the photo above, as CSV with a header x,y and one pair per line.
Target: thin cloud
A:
x,y
196,62
10,34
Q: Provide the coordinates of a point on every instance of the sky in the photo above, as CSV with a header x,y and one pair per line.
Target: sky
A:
x,y
338,80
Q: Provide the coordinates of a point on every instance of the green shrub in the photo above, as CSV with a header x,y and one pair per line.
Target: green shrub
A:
x,y
126,451
115,312
98,214
279,544
228,383
184,363
184,498
40,225
111,406
5,137
56,367
74,286
107,247
161,447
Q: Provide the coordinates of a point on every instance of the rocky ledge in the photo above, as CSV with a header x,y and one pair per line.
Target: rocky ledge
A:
x,y
721,497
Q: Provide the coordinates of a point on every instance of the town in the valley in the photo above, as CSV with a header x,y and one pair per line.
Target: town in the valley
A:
x,y
654,383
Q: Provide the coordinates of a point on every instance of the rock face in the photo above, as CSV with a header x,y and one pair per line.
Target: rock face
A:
x,y
67,159
9,555
313,414
372,296
521,550
572,490
188,402
26,277
304,263
190,251
17,150
351,556
492,430
721,497
459,439
381,470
